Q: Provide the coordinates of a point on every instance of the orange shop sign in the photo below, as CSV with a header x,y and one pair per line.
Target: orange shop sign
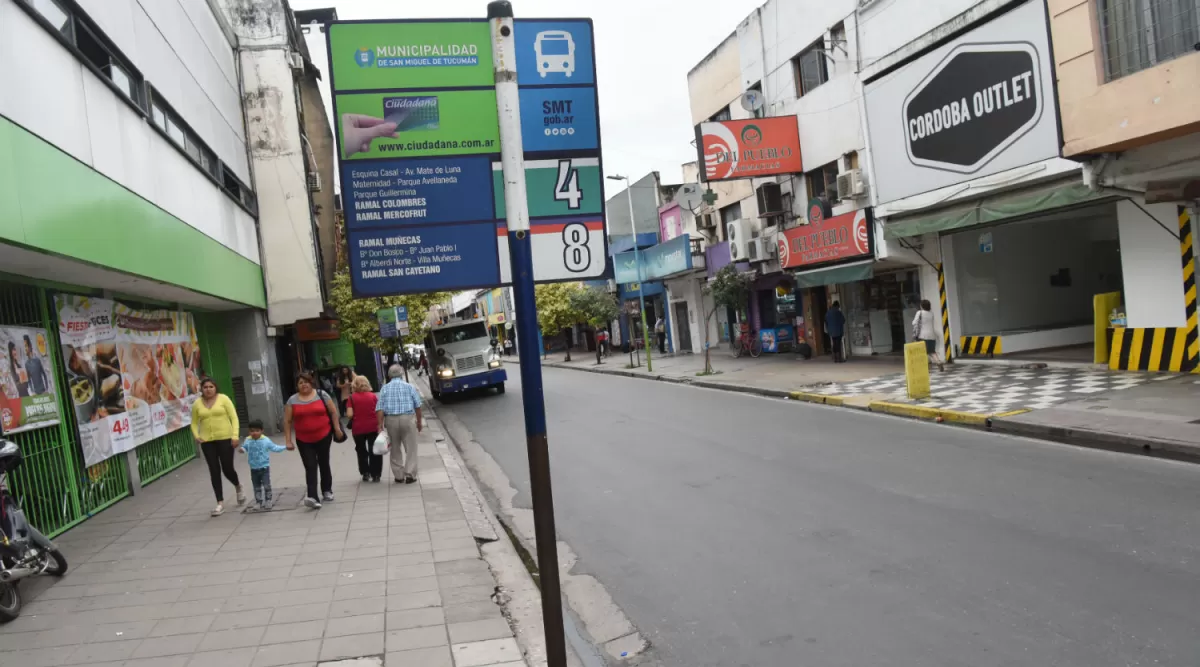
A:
x,y
732,149
828,241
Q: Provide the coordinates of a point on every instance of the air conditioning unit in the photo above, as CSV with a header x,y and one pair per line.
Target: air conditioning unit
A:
x,y
760,250
297,62
314,182
612,285
706,221
738,235
770,200
850,185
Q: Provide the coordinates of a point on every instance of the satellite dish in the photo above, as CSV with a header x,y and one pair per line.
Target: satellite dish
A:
x,y
689,196
753,100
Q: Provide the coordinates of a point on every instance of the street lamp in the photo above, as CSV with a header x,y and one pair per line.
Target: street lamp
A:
x,y
637,257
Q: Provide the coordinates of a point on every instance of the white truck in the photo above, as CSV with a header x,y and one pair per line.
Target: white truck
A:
x,y
461,357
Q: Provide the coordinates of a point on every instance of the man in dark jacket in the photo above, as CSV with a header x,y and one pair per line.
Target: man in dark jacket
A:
x,y
835,326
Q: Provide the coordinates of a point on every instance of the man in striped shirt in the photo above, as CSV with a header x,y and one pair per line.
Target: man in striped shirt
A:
x,y
398,409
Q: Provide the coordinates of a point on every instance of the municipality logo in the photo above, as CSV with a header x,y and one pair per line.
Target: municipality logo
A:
x,y
364,57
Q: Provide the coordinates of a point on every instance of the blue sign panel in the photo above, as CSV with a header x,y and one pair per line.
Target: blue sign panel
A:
x,y
554,52
401,313
660,261
559,119
633,290
394,193
423,259
387,329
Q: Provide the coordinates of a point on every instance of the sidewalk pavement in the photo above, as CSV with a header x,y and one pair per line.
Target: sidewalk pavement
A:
x,y
1090,406
387,571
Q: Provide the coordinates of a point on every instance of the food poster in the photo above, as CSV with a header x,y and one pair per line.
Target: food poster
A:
x,y
133,373
28,395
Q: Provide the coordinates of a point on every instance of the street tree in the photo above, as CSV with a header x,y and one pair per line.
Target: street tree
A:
x,y
357,316
555,312
597,307
729,288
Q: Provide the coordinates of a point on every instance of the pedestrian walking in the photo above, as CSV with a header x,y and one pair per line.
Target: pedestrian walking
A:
x,y
422,365
399,410
345,386
660,330
313,416
835,326
215,427
257,448
508,347
925,329
602,341
364,424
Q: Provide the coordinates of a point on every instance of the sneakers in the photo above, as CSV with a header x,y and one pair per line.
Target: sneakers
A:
x,y
241,496
327,496
366,478
219,509
410,479
312,503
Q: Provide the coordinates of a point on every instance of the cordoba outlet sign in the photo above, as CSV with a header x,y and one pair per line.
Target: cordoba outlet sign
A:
x,y
979,104
978,101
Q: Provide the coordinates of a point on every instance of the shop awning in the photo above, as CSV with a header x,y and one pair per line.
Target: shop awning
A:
x,y
997,208
833,275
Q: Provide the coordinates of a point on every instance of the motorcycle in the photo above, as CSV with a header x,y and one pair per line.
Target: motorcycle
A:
x,y
24,552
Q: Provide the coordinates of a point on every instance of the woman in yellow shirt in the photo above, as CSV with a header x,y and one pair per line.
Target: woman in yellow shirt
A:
x,y
215,427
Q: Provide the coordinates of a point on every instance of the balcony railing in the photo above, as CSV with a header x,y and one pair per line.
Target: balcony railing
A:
x,y
1139,34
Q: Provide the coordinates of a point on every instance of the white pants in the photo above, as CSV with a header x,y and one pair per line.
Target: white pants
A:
x,y
402,430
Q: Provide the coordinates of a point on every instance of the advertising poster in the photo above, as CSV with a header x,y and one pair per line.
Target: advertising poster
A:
x,y
841,238
29,399
133,374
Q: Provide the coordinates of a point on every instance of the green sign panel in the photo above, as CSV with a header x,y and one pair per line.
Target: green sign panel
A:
x,y
556,187
418,54
406,125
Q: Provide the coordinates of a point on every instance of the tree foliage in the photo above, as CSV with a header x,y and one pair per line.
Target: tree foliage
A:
x,y
357,316
730,288
555,311
597,307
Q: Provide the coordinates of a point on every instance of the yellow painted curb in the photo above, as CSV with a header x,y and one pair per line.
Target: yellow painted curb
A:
x,y
816,398
923,412
1012,412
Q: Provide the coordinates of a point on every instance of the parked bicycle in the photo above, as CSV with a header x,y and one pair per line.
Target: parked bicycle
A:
x,y
24,552
747,342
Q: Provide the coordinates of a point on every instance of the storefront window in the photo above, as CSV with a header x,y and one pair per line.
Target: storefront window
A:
x,y
1036,275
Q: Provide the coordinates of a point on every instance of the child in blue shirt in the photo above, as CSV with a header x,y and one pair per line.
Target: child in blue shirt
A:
x,y
258,449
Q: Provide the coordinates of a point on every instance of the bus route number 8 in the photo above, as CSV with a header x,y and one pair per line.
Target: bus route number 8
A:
x,y
577,256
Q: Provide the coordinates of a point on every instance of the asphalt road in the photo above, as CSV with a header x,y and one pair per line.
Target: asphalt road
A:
x,y
736,530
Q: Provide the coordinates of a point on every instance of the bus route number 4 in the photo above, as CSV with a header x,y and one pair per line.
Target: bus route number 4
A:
x,y
567,187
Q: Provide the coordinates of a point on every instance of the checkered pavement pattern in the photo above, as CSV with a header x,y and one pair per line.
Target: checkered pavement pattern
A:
x,y
997,389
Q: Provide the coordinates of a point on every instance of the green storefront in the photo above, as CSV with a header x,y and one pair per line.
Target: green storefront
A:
x,y
69,234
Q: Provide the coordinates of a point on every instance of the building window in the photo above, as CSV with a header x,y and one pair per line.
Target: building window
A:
x,y
810,69
1139,34
822,182
762,110
236,189
53,14
100,55
723,114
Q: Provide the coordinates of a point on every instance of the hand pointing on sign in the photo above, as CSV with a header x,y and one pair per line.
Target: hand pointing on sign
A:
x,y
358,131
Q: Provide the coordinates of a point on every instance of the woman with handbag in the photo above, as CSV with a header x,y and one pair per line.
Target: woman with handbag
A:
x,y
313,415
364,424
924,330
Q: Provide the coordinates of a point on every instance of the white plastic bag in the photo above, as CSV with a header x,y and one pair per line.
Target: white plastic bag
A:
x,y
383,444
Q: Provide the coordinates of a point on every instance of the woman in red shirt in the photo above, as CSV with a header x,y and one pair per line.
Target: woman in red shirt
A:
x,y
315,418
364,424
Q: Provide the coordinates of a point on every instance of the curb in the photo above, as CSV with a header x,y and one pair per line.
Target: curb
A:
x,y
1127,443
823,399
923,412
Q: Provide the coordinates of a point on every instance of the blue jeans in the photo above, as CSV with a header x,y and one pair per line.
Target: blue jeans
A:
x,y
261,478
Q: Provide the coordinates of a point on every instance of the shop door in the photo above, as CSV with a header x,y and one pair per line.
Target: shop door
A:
x,y
820,304
683,327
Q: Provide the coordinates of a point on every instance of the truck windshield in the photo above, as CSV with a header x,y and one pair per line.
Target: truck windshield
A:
x,y
460,334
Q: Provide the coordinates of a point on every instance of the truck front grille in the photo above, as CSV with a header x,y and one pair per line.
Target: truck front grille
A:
x,y
469,363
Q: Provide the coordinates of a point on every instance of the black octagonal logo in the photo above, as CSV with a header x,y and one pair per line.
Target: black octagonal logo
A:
x,y
977,102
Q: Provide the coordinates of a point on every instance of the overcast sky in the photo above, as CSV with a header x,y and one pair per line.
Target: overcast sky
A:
x,y
644,49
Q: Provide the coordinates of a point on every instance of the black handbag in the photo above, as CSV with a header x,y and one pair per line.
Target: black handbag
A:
x,y
333,429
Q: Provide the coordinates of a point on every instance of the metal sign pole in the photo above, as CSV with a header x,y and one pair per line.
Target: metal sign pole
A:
x,y
500,18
